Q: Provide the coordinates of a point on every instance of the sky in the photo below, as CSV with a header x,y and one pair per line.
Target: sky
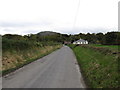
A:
x,y
63,16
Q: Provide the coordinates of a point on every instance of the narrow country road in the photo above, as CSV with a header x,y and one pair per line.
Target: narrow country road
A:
x,y
56,70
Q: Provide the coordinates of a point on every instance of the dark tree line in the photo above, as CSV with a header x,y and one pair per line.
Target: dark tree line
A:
x,y
109,38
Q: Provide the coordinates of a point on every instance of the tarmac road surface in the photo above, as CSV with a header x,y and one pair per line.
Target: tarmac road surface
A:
x,y
56,70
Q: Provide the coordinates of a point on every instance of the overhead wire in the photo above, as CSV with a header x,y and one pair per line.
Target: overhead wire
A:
x,y
76,14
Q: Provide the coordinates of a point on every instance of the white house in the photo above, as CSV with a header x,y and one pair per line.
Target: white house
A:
x,y
80,41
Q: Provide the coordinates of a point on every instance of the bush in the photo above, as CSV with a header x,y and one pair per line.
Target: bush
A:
x,y
10,44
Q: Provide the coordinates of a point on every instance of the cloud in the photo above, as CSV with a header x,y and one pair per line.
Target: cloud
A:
x,y
57,15
66,30
24,24
30,31
85,30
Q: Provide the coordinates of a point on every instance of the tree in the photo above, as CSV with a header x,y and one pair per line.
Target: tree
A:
x,y
111,38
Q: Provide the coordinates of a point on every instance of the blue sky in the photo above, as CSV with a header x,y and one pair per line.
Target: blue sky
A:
x,y
32,16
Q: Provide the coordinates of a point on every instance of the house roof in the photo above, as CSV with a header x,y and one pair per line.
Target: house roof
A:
x,y
80,40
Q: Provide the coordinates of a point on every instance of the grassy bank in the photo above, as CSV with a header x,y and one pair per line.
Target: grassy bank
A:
x,y
16,59
16,54
111,47
99,68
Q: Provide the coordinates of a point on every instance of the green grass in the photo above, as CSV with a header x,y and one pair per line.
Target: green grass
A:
x,y
99,70
112,47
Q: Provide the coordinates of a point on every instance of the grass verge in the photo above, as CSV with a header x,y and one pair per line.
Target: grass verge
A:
x,y
99,70
13,60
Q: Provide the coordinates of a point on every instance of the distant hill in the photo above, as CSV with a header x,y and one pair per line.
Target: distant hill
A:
x,y
52,36
47,33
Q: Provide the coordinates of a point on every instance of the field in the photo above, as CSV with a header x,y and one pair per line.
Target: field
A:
x,y
112,47
99,65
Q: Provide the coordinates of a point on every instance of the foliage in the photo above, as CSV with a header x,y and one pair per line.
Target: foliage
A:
x,y
11,44
109,38
19,50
